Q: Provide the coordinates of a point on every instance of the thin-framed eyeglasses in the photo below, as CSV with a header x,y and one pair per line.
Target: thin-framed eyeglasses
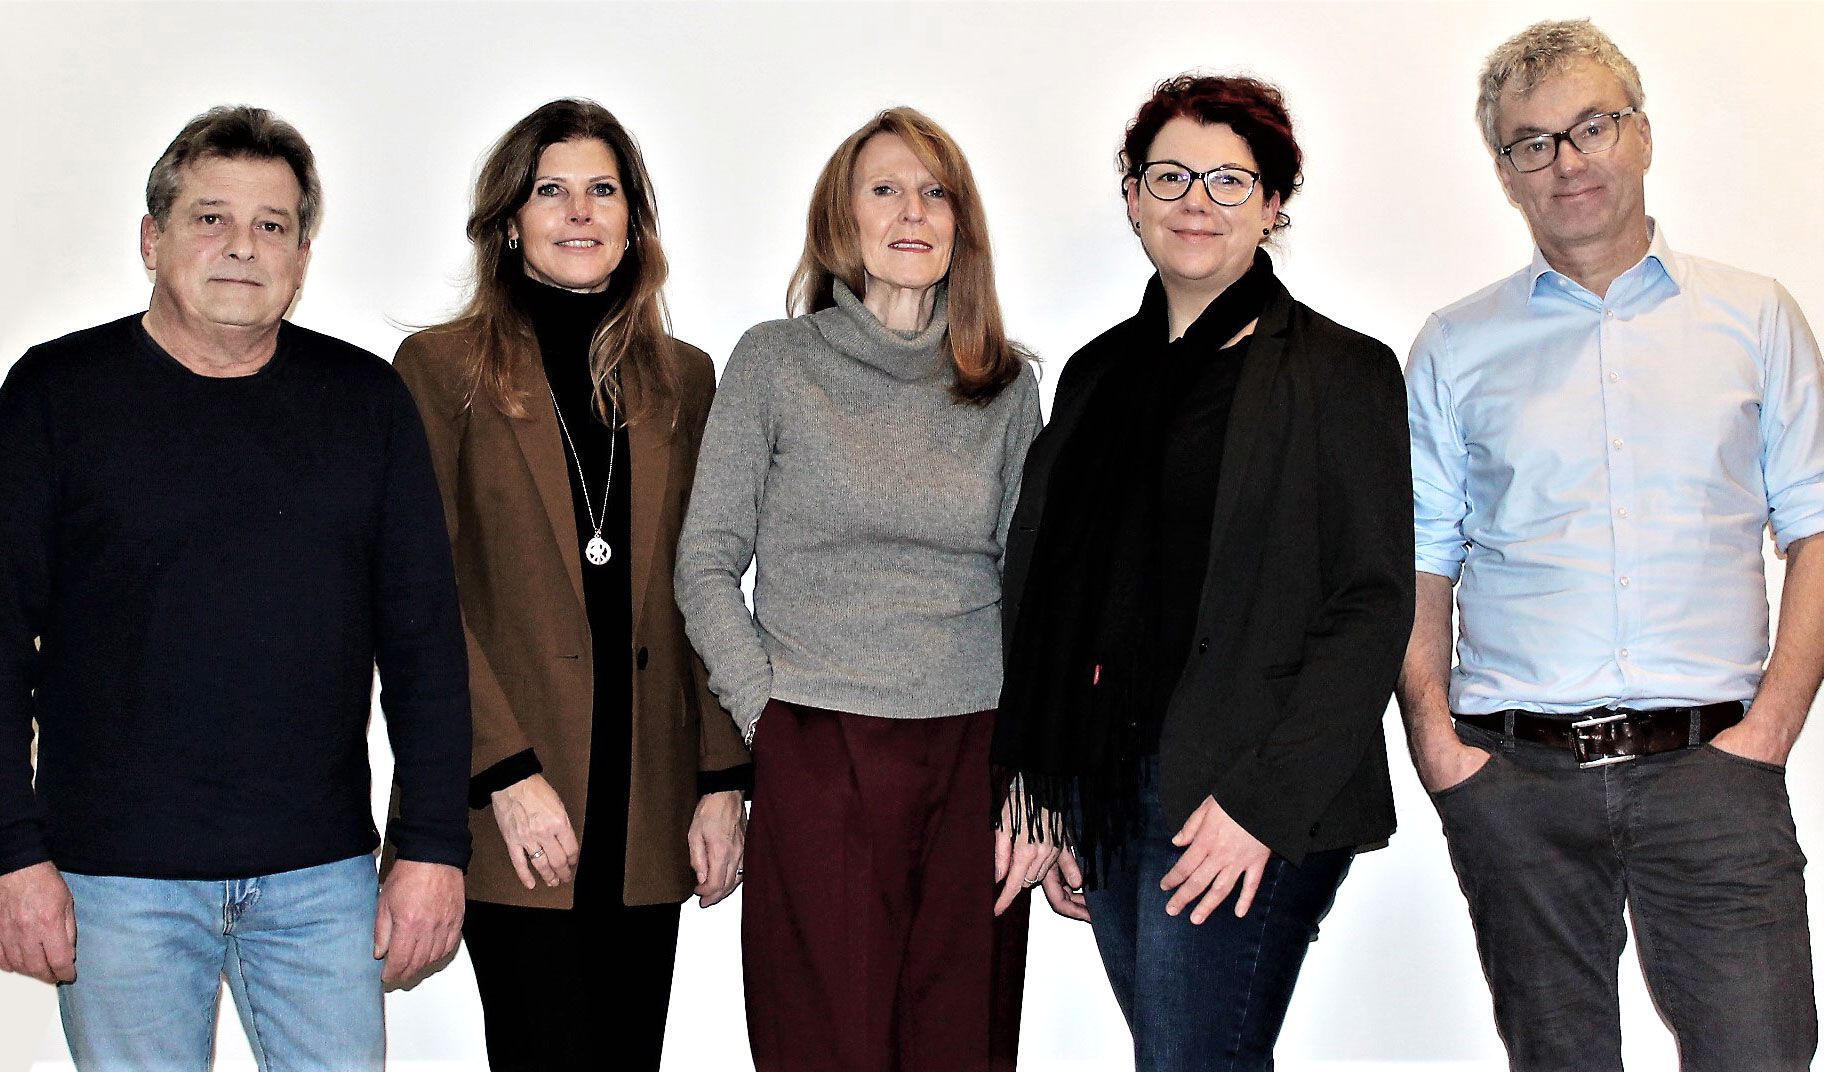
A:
x,y
1228,185
1596,134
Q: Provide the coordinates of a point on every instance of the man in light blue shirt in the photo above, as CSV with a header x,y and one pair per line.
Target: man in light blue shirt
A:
x,y
1599,442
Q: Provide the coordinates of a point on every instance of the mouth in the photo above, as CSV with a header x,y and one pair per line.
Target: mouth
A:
x,y
1574,195
239,282
910,245
579,243
1196,235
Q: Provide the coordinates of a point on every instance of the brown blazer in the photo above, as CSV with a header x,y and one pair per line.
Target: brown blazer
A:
x,y
506,495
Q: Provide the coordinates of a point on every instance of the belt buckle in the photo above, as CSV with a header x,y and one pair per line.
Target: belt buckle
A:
x,y
1580,741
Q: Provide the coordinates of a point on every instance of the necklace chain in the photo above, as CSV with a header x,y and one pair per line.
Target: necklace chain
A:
x,y
597,550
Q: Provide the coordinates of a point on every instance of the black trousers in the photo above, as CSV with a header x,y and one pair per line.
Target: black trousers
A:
x,y
573,989
1698,845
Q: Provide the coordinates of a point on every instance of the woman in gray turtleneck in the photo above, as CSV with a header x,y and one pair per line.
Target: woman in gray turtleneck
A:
x,y
866,458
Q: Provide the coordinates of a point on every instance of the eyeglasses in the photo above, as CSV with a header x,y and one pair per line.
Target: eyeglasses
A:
x,y
1597,134
1228,185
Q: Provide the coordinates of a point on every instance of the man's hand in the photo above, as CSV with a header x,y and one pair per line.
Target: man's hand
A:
x,y
420,918
717,837
1445,762
1765,739
1217,854
537,831
37,924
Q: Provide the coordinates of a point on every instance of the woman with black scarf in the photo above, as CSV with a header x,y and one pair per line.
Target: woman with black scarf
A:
x,y
1208,591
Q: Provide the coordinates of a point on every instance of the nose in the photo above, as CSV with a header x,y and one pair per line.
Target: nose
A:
x,y
913,208
240,245
1569,160
579,207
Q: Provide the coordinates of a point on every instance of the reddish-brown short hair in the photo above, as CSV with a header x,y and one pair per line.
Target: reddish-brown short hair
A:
x,y
1253,109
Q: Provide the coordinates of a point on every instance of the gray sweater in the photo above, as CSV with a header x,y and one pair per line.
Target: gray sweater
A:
x,y
876,508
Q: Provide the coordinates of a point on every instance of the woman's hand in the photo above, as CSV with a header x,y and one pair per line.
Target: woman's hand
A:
x,y
1064,888
718,835
1022,863
1217,854
537,832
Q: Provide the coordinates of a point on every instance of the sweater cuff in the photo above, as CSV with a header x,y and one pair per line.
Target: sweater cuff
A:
x,y
423,844
734,779
512,770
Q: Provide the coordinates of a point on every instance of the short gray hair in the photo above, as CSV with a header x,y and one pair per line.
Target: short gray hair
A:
x,y
236,132
1542,49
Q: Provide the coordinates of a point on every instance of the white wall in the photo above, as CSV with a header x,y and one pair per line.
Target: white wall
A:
x,y
737,105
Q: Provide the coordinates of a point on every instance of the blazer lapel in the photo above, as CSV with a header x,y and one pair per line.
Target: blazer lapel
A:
x,y
1248,414
539,442
650,446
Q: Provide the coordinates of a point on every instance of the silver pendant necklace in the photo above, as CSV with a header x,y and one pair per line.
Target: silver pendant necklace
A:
x,y
596,550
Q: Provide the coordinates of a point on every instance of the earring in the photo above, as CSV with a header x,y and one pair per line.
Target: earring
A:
x,y
512,243
627,245
1266,232
1136,224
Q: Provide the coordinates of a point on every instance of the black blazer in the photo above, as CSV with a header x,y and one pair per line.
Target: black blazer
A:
x,y
1307,601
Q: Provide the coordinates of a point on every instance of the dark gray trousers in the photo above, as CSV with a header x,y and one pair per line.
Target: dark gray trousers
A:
x,y
1698,844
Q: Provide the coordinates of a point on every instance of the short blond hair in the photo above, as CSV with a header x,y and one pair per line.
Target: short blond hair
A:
x,y
1543,49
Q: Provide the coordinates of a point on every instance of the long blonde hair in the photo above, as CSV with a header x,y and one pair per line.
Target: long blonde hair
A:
x,y
629,348
985,359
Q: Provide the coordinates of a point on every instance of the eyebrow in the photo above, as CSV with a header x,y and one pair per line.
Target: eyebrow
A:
x,y
561,178
1528,130
217,202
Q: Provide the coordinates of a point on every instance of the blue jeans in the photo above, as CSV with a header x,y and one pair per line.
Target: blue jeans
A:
x,y
296,948
1208,997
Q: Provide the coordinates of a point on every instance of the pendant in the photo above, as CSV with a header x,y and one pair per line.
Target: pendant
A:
x,y
597,551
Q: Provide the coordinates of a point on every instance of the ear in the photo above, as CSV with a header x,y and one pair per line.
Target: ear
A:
x,y
1646,139
1270,209
303,257
148,242
1506,176
512,231
1131,188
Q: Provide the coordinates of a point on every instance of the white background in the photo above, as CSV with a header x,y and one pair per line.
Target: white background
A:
x,y
737,105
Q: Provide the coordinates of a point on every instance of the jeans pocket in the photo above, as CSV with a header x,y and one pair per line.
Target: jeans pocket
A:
x,y
1731,757
1481,775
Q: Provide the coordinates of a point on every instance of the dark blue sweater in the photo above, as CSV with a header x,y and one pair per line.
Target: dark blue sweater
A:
x,y
197,578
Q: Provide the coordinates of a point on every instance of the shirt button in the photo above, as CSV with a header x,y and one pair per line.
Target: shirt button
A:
x,y
1613,376
1621,512
1623,653
1203,645
1624,582
1608,314
1616,442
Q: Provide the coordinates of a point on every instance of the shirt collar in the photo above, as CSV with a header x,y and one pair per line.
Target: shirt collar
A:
x,y
1659,263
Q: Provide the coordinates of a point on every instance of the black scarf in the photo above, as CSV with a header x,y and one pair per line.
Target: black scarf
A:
x,y
1082,662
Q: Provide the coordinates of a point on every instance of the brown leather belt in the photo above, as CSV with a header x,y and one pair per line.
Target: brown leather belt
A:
x,y
1604,735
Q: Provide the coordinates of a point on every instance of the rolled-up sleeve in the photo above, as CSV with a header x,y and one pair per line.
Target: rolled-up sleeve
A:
x,y
1440,458
1792,423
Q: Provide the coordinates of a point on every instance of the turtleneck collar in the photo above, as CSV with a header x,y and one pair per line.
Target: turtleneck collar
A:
x,y
564,320
853,329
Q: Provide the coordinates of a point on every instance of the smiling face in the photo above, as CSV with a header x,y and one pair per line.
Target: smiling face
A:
x,y
573,227
1581,200
903,217
1198,246
229,254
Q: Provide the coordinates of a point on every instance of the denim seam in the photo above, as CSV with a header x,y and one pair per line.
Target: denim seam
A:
x,y
1247,998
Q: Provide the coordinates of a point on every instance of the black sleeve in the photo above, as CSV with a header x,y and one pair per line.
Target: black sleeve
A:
x,y
1357,637
512,770
731,779
424,678
27,502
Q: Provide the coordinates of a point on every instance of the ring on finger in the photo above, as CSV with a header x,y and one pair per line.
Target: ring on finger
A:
x,y
535,854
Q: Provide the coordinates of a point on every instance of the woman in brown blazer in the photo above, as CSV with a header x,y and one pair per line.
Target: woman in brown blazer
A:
x,y
564,424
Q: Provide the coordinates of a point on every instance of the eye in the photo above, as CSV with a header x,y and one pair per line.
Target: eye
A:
x,y
603,189
883,189
1539,146
209,219
1172,177
548,189
937,193
1591,127
272,227
1227,179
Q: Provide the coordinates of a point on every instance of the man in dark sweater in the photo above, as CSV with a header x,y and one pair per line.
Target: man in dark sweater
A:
x,y
212,525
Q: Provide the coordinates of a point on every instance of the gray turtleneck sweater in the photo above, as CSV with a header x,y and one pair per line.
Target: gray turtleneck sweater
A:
x,y
875,507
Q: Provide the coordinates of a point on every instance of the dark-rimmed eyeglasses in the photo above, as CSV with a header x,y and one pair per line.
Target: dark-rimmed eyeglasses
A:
x,y
1596,134
1169,180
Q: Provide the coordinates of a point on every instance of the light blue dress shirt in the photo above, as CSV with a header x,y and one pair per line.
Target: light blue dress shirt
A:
x,y
1597,473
